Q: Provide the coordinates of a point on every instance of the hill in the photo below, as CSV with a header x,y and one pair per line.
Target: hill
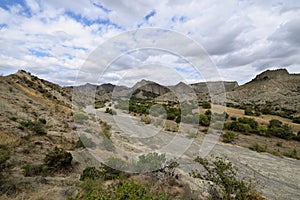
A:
x,y
274,89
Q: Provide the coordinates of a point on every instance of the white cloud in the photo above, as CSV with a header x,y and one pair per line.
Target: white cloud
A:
x,y
54,38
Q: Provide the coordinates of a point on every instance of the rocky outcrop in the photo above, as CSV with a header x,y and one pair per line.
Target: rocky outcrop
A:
x,y
277,88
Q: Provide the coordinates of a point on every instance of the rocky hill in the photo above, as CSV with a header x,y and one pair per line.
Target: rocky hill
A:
x,y
35,117
276,88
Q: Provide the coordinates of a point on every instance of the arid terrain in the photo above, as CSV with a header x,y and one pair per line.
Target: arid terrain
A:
x,y
50,135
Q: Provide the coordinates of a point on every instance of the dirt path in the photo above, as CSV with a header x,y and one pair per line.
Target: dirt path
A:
x,y
280,177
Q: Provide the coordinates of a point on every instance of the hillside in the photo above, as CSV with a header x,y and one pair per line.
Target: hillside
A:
x,y
275,88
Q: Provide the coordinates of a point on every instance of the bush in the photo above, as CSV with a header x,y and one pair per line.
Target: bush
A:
x,y
58,159
99,104
203,120
146,119
238,127
206,105
251,122
274,123
257,147
296,120
229,137
292,154
171,126
37,126
110,111
226,185
278,130
90,173
4,156
79,144
150,162
262,130
248,111
34,170
123,189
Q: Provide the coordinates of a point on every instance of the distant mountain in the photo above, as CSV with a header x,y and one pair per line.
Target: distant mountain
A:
x,y
277,88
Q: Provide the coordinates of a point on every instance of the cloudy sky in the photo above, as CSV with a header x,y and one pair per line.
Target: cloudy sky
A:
x,y
63,41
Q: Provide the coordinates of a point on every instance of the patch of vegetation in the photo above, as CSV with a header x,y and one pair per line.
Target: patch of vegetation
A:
x,y
38,126
121,189
90,173
99,104
171,126
228,137
4,156
34,170
58,159
257,147
206,105
110,111
225,184
146,119
150,162
192,134
204,120
296,120
278,129
292,154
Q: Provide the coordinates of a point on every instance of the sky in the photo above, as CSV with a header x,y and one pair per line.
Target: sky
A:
x,y
98,41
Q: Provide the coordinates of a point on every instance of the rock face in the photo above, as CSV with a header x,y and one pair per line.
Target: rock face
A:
x,y
274,87
203,87
148,89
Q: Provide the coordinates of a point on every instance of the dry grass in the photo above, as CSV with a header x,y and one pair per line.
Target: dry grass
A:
x,y
8,140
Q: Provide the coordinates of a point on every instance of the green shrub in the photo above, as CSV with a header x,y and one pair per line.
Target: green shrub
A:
x,y
226,185
110,111
37,126
251,122
262,130
150,162
203,120
4,156
122,189
229,137
99,104
206,105
292,154
34,170
58,159
146,119
274,123
297,137
79,144
90,173
278,130
248,111
257,147
296,120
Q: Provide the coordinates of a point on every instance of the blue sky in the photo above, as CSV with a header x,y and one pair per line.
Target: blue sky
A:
x,y
53,39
